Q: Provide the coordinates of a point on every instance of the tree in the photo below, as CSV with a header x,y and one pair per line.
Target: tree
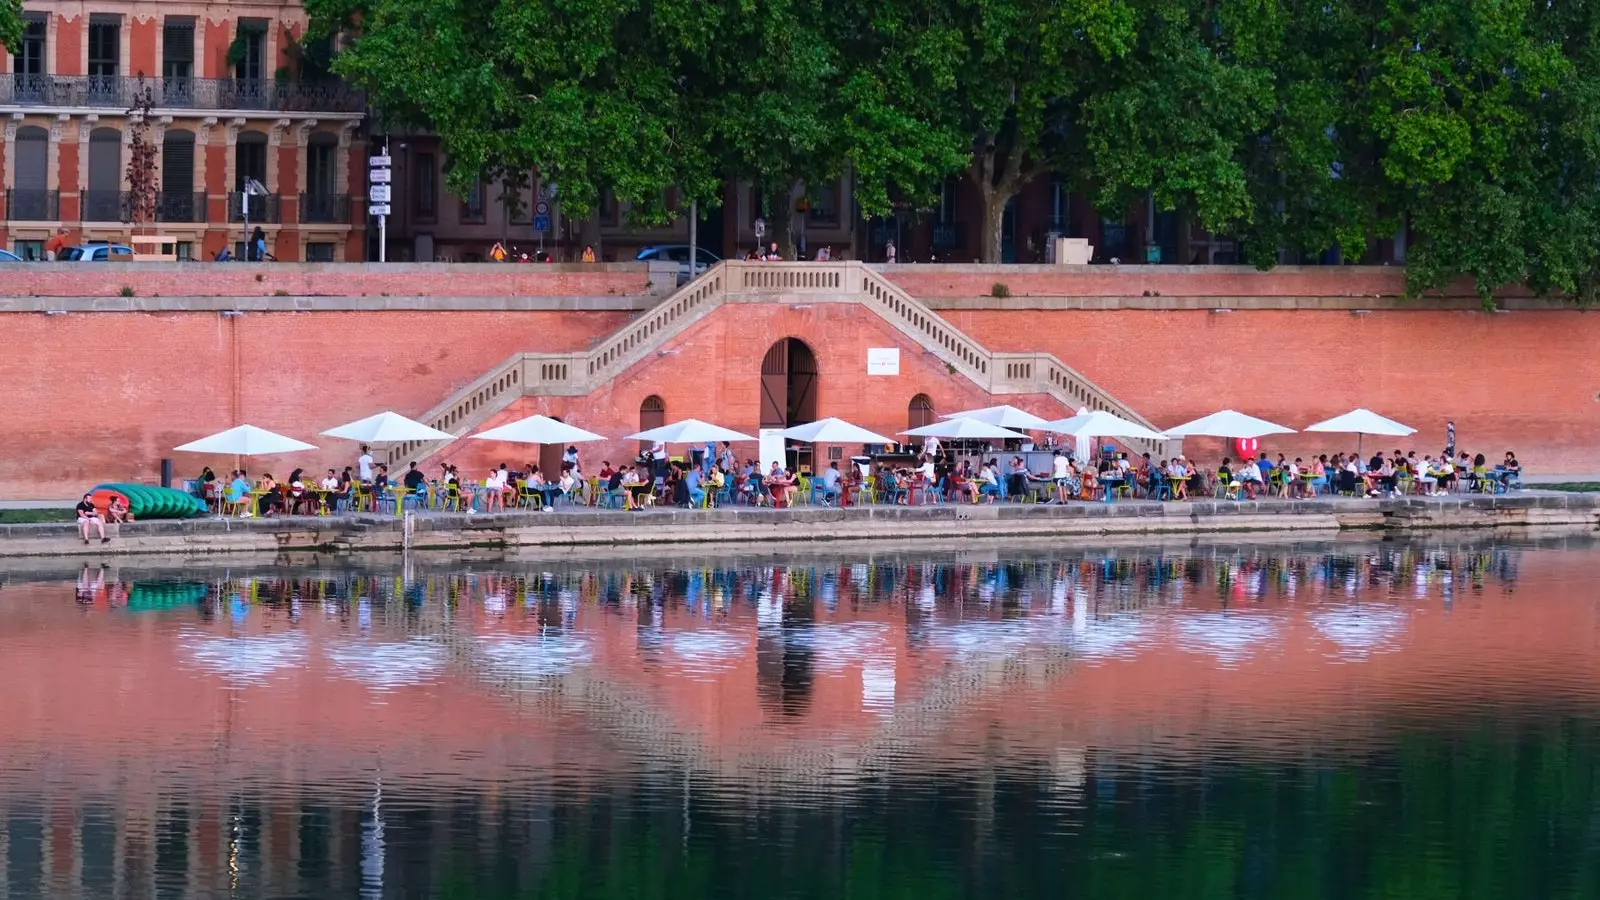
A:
x,y
142,184
10,23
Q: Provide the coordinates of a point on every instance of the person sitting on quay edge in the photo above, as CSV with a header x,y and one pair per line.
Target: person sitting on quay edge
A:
x,y
117,513
89,516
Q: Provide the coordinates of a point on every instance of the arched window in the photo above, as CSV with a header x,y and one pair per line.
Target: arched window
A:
x,y
652,414
920,412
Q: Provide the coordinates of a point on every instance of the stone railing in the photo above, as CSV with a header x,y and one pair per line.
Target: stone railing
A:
x,y
577,374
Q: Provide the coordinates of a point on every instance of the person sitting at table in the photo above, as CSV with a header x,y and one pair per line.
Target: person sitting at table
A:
x,y
1380,476
1510,469
89,517
1178,476
533,484
1089,482
206,486
1018,486
238,488
1428,477
716,483
1250,478
1445,470
989,483
694,494
271,502
117,513
297,494
380,480
1225,474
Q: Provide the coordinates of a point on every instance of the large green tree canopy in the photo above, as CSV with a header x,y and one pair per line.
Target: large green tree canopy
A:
x,y
10,23
1473,126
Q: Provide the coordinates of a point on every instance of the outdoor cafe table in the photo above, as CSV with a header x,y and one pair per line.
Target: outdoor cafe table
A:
x,y
1111,484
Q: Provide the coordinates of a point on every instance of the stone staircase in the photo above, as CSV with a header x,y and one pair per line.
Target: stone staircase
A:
x,y
579,373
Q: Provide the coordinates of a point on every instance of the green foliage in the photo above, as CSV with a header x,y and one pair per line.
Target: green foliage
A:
x,y
10,23
1297,126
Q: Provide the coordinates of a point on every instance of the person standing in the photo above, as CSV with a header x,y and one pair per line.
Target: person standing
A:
x,y
56,247
364,465
1449,440
658,461
889,253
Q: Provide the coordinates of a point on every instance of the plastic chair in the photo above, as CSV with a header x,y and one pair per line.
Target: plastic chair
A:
x,y
1160,487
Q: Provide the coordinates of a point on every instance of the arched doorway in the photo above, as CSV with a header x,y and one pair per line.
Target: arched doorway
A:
x,y
788,385
920,412
652,414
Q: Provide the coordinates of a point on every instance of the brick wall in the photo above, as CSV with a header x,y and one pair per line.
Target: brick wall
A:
x,y
323,280
728,392
929,281
103,397
1526,381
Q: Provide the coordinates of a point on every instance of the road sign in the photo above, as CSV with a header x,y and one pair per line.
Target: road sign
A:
x,y
379,161
378,193
542,208
541,223
378,209
379,176
761,228
547,192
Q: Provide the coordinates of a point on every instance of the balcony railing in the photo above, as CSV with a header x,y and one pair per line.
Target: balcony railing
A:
x,y
33,206
325,209
949,236
121,92
104,206
264,209
180,206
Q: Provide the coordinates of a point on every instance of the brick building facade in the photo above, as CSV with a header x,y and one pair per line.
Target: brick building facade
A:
x,y
234,94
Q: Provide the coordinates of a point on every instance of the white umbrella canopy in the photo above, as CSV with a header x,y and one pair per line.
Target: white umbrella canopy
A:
x,y
834,431
962,428
1003,416
538,430
387,428
1228,424
1362,421
690,431
245,440
1100,423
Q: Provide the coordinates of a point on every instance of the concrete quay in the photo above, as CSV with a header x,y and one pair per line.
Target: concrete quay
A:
x,y
743,525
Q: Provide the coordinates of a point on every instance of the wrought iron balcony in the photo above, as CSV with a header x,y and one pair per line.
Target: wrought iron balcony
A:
x,y
264,209
121,92
325,209
947,236
181,206
104,206
33,206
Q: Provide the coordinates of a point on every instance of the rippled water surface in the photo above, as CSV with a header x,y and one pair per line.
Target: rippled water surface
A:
x,y
1341,721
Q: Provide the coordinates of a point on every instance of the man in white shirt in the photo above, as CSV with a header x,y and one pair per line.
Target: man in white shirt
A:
x,y
1060,469
1250,475
930,446
364,465
830,482
658,460
330,481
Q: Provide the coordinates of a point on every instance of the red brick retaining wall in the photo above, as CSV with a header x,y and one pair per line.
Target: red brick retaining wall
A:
x,y
321,280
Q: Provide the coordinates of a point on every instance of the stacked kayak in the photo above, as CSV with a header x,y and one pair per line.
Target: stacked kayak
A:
x,y
155,595
146,502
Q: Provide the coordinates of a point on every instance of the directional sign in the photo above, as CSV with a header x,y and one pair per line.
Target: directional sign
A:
x,y
378,209
541,223
378,193
542,208
379,176
379,161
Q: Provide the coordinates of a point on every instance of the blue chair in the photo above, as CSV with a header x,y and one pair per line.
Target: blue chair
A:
x,y
1160,487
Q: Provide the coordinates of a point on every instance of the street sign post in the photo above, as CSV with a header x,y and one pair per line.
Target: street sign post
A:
x,y
378,196
541,223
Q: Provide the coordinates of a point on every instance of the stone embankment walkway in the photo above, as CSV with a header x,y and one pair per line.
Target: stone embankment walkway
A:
x,y
590,527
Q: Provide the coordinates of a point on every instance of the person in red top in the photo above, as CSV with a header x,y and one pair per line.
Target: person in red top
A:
x,y
606,471
56,247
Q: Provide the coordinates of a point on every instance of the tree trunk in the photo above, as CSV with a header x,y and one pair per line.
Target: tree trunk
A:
x,y
780,210
992,227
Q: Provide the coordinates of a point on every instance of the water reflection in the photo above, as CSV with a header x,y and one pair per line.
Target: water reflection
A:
x,y
1381,719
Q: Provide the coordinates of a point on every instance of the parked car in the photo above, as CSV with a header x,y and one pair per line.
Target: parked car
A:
x,y
8,256
679,253
99,253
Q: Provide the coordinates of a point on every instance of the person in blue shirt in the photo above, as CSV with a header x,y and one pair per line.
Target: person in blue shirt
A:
x,y
237,489
697,496
1265,465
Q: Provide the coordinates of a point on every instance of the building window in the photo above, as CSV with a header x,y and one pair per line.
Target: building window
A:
x,y
184,251
824,205
248,53
105,53
177,52
319,251
1059,204
472,202
427,187
29,250
29,58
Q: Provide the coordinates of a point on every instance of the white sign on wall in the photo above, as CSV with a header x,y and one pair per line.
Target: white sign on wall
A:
x,y
883,360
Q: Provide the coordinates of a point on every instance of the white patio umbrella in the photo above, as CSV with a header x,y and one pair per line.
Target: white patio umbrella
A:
x,y
538,430
387,428
1100,423
1228,424
690,431
963,428
834,431
1361,422
245,440
1003,416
